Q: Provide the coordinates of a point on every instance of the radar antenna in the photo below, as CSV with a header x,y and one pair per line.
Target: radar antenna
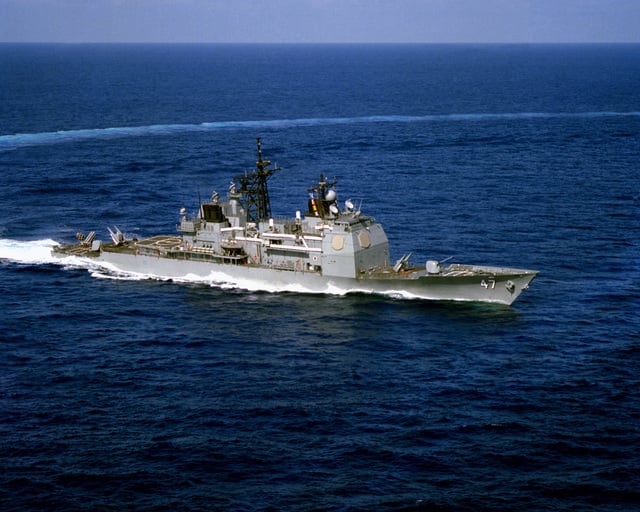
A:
x,y
254,191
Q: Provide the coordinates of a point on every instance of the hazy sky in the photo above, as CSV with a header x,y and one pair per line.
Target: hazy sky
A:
x,y
439,21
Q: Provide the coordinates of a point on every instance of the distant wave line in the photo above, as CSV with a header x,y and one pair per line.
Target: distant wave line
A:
x,y
44,138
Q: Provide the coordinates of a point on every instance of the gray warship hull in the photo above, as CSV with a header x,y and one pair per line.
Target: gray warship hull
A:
x,y
455,282
328,250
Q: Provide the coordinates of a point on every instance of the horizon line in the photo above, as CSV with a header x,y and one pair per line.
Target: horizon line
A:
x,y
342,43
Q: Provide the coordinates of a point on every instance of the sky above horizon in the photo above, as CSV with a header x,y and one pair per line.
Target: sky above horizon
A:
x,y
321,21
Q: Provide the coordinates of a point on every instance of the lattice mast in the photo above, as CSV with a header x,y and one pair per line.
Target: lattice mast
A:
x,y
254,190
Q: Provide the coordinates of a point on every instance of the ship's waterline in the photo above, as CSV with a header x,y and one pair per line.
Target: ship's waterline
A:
x,y
331,247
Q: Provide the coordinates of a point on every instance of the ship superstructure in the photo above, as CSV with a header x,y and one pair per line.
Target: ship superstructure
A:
x,y
327,247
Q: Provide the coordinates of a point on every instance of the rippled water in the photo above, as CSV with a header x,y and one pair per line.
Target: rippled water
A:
x,y
121,393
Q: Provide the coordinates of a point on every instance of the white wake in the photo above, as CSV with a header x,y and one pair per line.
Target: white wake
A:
x,y
14,141
38,252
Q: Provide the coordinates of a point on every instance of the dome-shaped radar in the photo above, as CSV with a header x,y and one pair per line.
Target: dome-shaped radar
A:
x,y
331,195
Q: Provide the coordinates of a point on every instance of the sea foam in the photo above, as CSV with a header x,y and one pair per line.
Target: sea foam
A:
x,y
14,141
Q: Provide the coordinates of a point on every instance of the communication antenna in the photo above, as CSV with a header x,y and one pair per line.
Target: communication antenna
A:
x,y
254,191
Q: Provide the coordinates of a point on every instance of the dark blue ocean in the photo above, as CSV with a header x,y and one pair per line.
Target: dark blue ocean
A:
x,y
122,393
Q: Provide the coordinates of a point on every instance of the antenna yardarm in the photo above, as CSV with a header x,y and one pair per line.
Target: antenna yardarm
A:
x,y
254,190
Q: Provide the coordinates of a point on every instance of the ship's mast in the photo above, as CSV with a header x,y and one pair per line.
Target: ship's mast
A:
x,y
254,190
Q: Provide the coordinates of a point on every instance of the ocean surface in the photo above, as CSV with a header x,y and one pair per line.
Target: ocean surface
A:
x,y
122,393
